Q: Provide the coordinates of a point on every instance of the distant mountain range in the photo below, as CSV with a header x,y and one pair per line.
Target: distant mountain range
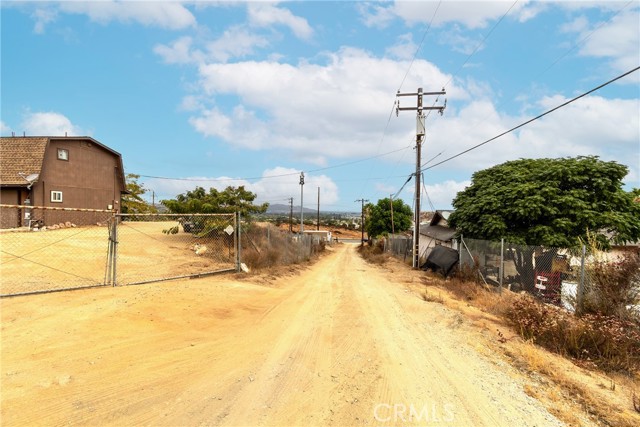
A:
x,y
282,209
278,208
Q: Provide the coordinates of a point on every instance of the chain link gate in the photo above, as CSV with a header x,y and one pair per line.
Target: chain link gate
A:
x,y
46,249
147,248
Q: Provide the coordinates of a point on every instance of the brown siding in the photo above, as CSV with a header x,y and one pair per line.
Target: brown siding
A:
x,y
9,218
89,179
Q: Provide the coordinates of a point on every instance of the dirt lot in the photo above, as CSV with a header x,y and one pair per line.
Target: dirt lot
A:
x,y
77,257
342,343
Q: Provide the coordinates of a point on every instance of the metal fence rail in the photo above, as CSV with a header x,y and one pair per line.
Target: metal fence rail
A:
x,y
53,249
155,247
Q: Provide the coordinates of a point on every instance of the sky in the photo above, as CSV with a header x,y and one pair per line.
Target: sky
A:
x,y
225,93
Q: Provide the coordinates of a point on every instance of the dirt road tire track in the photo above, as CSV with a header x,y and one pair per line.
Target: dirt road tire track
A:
x,y
340,344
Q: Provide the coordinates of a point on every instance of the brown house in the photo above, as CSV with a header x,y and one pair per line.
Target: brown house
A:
x,y
67,172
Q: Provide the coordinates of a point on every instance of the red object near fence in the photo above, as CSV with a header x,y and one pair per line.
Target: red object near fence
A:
x,y
548,286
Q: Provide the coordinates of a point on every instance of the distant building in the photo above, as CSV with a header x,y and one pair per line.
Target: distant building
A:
x,y
69,172
437,232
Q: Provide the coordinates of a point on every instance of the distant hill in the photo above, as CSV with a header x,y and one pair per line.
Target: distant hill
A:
x,y
278,208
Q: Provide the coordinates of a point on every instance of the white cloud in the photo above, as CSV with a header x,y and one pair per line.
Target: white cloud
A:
x,y
617,39
43,16
273,187
266,15
4,128
609,128
178,51
405,48
470,14
49,124
235,42
315,111
168,15
443,193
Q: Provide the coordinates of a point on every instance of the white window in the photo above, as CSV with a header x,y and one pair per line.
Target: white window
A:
x,y
56,196
63,154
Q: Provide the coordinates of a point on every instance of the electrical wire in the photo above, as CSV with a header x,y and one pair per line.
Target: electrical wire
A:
x,y
564,104
415,55
280,175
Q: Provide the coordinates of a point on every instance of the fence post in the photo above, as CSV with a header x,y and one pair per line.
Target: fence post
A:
x,y
501,262
114,252
580,290
238,239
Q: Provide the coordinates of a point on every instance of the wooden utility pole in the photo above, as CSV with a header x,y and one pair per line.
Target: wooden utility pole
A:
x,y
393,230
301,202
420,131
318,209
362,218
290,214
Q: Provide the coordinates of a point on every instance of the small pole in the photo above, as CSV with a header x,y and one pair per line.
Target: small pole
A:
x,y
580,290
501,262
238,240
393,231
301,202
318,225
362,218
290,214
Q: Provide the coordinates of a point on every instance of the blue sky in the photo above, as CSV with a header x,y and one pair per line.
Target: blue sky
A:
x,y
252,93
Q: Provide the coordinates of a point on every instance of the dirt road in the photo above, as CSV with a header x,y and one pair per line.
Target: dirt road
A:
x,y
343,343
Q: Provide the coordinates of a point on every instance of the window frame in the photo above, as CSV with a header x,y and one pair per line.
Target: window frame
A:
x,y
65,154
54,196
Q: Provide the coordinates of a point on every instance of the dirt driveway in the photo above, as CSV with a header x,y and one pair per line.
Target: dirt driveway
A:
x,y
342,343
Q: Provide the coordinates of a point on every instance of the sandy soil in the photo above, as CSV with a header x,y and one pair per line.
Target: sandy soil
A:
x,y
342,343
77,257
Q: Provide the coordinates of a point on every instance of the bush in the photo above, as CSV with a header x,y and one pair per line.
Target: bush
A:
x,y
374,252
614,287
610,343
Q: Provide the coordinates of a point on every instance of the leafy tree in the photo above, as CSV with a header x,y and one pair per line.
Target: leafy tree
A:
x,y
133,201
231,199
379,217
548,202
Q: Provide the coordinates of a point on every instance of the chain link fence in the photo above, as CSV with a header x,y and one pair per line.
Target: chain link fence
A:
x,y
264,245
48,249
45,249
154,247
569,278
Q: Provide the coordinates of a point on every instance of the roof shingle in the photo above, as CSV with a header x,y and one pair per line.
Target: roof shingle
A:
x,y
20,155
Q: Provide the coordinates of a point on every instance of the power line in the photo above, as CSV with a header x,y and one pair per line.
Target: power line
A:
x,y
280,175
564,104
415,55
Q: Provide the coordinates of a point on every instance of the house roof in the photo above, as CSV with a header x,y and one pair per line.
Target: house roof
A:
x,y
437,232
439,216
20,157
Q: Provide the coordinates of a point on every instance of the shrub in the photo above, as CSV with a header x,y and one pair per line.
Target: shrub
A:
x,y
614,287
611,343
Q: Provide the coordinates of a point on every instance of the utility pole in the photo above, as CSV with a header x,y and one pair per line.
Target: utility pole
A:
x,y
318,226
420,131
362,218
153,198
290,214
301,202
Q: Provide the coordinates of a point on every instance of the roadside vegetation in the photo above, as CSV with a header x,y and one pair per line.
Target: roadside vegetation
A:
x,y
603,339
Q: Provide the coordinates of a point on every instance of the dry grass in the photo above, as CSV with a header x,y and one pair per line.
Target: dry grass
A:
x,y
374,253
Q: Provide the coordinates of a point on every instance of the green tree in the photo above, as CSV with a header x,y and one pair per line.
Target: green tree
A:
x,y
548,202
132,202
378,221
231,199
